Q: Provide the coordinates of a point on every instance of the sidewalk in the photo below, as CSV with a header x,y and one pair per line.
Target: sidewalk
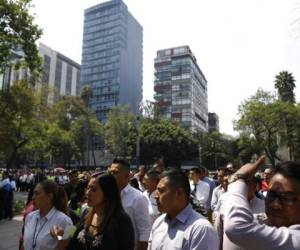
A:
x,y
10,230
9,233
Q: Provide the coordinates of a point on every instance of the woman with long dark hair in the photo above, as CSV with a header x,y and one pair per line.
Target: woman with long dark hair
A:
x,y
105,225
49,212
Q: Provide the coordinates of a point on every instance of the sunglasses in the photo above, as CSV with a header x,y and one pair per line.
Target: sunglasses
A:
x,y
287,199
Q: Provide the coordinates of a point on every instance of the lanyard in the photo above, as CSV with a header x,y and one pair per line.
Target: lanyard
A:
x,y
36,233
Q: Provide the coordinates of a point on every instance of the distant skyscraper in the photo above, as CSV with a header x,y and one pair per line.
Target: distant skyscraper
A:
x,y
112,57
60,74
181,88
213,122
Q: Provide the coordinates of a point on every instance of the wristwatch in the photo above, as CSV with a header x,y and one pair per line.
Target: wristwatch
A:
x,y
237,176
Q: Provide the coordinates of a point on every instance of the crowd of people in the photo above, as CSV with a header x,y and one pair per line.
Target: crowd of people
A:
x,y
159,208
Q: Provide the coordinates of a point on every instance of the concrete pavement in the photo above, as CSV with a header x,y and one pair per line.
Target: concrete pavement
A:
x,y
10,230
10,233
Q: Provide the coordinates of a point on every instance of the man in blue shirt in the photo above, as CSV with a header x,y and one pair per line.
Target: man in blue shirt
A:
x,y
180,227
6,197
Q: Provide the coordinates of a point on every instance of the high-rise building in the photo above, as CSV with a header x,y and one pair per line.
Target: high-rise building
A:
x,y
213,122
112,57
181,88
60,74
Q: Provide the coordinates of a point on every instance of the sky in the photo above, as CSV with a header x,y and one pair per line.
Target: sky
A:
x,y
240,45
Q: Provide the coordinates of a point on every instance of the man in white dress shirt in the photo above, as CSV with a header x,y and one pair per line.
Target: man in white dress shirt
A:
x,y
256,205
179,227
220,189
150,182
199,188
282,231
134,203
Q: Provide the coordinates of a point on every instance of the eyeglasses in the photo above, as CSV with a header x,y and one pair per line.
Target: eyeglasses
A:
x,y
288,199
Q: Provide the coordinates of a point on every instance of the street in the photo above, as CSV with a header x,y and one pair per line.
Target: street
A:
x,y
10,230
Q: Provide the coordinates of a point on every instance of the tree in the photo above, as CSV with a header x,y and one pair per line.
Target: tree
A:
x,y
216,149
162,138
18,31
18,107
67,132
285,84
150,110
120,132
247,148
263,117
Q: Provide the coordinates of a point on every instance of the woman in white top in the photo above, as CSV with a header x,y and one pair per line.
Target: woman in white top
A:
x,y
49,212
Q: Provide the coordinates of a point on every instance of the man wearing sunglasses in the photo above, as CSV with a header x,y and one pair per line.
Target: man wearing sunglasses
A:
x,y
282,231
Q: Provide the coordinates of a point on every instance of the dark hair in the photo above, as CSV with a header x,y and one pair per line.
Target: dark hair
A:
x,y
62,201
290,169
71,172
112,200
196,170
178,179
221,169
51,187
122,162
30,194
203,170
134,183
153,175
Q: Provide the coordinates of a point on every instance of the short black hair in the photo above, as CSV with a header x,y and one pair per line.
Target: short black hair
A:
x,y
153,174
290,169
122,162
178,179
72,172
196,170
221,169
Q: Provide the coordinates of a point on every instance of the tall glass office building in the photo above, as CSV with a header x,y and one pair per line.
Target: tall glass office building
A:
x,y
112,57
181,88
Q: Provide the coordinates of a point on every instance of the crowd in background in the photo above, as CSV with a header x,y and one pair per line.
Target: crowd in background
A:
x,y
155,208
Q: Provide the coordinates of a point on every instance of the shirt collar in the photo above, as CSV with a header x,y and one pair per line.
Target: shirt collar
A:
x,y
49,214
182,216
126,189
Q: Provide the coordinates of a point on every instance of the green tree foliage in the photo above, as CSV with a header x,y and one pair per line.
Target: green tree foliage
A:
x,y
17,30
263,117
18,107
216,149
247,148
165,139
285,84
86,94
120,132
70,122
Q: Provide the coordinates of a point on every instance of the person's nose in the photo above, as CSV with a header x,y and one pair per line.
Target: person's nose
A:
x,y
156,195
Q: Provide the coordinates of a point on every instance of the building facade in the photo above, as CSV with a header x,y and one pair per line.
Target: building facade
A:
x,y
60,74
181,88
112,57
213,122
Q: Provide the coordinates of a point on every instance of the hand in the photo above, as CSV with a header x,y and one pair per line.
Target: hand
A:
x,y
56,231
250,169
